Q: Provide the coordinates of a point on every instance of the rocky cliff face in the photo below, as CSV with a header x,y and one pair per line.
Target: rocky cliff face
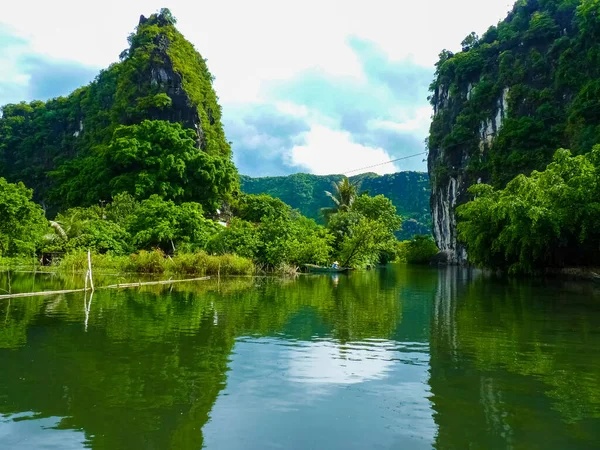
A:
x,y
448,169
508,101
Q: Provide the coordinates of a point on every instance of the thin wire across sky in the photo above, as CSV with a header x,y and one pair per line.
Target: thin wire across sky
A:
x,y
384,163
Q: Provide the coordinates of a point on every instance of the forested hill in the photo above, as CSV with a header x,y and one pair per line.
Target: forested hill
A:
x,y
149,124
509,100
409,191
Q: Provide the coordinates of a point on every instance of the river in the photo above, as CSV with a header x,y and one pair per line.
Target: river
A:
x,y
399,358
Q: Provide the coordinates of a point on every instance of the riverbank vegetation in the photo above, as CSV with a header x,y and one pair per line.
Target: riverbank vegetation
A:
x,y
252,233
548,219
421,249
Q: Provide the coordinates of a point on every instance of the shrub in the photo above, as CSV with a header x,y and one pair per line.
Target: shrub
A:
x,y
147,262
420,250
200,263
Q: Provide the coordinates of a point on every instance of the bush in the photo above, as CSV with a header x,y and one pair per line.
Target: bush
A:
x,y
420,250
200,263
78,261
147,262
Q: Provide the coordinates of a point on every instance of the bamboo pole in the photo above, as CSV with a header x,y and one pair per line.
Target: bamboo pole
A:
x,y
112,286
151,283
42,293
90,270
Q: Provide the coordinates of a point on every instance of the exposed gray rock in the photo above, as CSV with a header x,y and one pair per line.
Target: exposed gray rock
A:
x,y
450,189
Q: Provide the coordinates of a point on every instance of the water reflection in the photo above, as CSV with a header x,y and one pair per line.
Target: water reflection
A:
x,y
398,358
39,432
515,364
143,368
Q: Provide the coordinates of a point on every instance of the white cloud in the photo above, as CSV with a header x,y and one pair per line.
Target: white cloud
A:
x,y
251,42
330,151
418,123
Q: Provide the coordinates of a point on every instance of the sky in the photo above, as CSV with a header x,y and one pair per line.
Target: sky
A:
x,y
317,86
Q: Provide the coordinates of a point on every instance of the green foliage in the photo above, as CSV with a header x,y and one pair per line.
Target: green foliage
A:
x,y
155,262
253,208
343,196
163,224
240,237
122,207
470,41
22,222
354,245
149,124
159,157
408,191
363,243
419,250
275,240
146,262
85,228
549,219
200,263
101,236
378,208
293,240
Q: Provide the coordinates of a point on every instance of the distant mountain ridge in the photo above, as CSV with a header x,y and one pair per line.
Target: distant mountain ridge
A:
x,y
409,191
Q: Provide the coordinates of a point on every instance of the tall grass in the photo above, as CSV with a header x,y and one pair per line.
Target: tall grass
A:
x,y
19,262
204,264
155,262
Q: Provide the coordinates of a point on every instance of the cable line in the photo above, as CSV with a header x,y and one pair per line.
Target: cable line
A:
x,y
384,163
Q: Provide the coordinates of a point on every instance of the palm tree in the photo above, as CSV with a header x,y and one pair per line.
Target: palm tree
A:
x,y
343,196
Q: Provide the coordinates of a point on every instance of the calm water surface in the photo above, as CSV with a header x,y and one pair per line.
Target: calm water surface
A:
x,y
400,358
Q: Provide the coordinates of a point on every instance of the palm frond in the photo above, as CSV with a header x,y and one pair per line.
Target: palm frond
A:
x,y
59,229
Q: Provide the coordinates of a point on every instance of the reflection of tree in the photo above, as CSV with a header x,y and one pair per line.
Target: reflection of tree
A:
x,y
512,363
152,362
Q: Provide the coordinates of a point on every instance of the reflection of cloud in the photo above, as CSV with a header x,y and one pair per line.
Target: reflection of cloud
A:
x,y
296,395
331,363
24,431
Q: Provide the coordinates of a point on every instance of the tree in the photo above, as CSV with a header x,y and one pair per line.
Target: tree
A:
x,y
239,237
100,236
86,228
470,41
363,244
380,209
163,224
122,208
343,196
549,219
167,15
22,223
253,208
419,250
348,228
159,157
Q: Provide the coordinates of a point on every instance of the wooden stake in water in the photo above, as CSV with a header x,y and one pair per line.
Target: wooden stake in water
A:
x,y
89,272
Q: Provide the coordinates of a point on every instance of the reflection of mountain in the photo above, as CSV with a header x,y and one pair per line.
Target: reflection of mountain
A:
x,y
513,365
93,379
501,364
149,367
